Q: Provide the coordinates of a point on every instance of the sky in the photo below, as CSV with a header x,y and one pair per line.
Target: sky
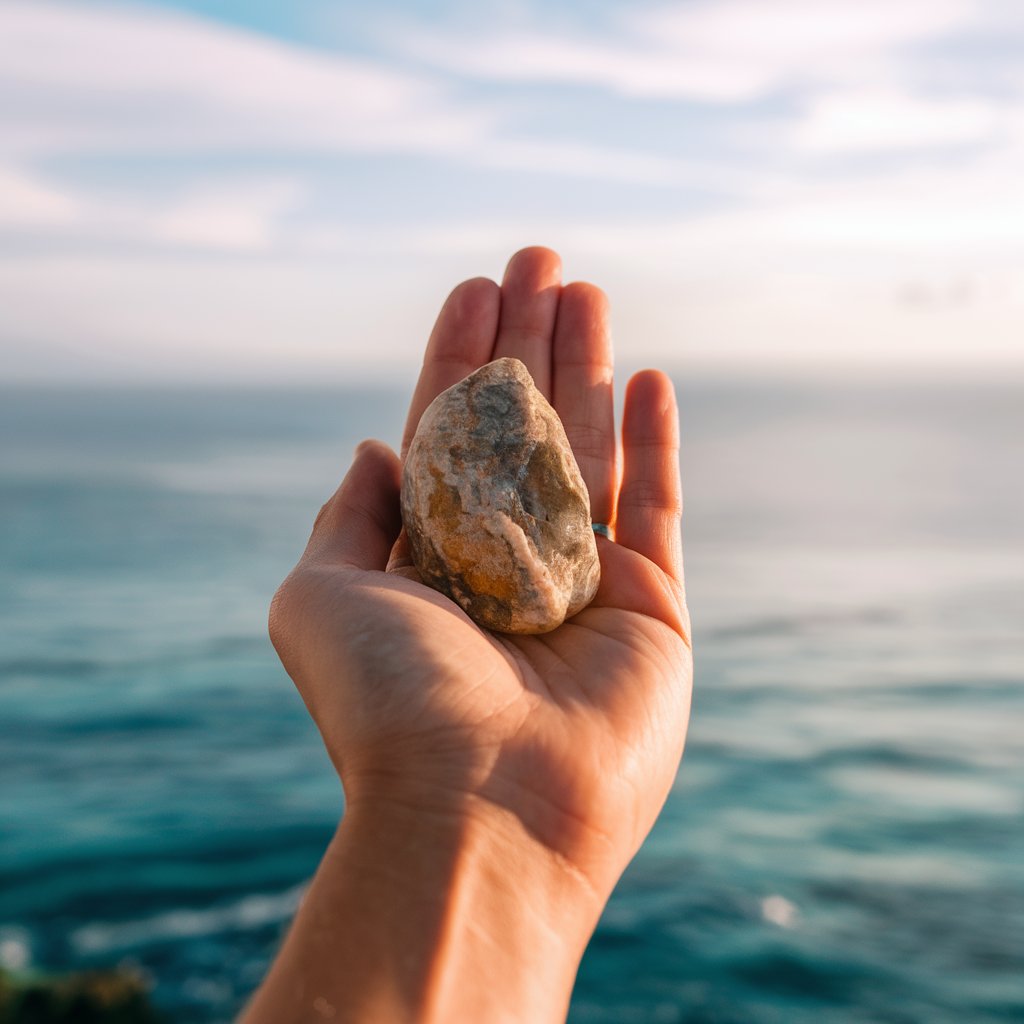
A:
x,y
255,191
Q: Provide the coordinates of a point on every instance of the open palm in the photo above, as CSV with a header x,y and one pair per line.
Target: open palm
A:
x,y
574,735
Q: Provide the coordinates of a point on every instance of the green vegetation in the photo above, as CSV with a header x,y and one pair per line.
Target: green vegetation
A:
x,y
96,997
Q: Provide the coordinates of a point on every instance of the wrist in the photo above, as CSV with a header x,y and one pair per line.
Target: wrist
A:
x,y
474,919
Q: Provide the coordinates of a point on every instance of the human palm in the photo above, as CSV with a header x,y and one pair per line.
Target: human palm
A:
x,y
575,734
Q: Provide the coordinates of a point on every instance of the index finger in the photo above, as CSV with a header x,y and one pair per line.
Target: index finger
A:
x,y
462,341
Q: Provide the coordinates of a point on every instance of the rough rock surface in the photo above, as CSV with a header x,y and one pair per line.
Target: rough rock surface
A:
x,y
497,513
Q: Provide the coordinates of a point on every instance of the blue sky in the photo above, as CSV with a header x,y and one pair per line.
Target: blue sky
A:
x,y
265,191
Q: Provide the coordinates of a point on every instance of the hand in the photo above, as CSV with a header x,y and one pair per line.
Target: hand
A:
x,y
552,752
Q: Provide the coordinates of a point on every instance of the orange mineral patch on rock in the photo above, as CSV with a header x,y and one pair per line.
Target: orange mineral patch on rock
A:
x,y
497,513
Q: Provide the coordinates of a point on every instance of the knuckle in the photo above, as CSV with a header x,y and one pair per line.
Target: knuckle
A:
x,y
277,616
590,442
524,335
654,445
326,509
650,496
369,515
281,617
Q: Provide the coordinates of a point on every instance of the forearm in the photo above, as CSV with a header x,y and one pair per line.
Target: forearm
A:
x,y
417,917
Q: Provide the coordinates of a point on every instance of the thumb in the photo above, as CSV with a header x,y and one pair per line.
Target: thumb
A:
x,y
358,525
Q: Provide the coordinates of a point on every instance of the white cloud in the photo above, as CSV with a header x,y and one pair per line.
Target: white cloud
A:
x,y
797,38
709,50
243,214
122,80
874,120
27,202
244,217
598,162
88,78
629,68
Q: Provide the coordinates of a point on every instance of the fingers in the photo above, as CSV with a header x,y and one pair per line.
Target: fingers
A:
x,y
461,342
583,395
650,499
529,305
359,524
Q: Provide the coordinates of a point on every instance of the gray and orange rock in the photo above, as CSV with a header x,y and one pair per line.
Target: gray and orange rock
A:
x,y
496,510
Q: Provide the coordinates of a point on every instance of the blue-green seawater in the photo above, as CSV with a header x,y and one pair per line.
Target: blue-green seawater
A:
x,y
845,841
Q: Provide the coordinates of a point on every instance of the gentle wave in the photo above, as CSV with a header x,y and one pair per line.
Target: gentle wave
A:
x,y
72,668
250,912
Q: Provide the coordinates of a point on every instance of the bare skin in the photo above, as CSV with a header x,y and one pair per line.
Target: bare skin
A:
x,y
496,786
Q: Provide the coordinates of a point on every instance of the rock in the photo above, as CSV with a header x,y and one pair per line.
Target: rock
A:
x,y
497,513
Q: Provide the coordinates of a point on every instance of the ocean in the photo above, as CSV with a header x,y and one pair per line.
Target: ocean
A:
x,y
845,840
